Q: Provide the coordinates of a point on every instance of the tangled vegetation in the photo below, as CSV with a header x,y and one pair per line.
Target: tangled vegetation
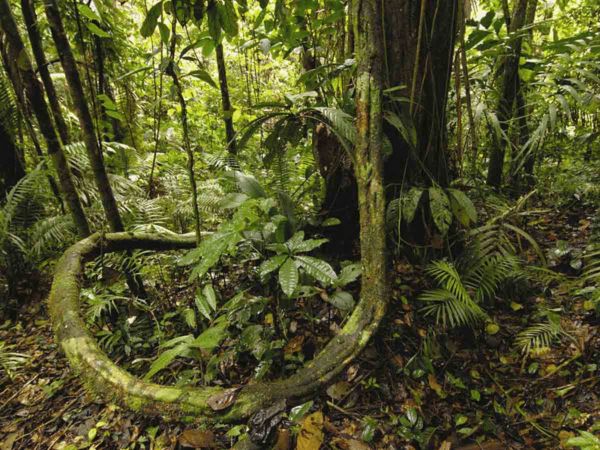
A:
x,y
316,223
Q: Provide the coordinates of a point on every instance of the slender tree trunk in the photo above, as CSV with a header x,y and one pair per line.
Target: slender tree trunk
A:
x,y
85,118
22,105
172,72
529,164
227,109
507,96
94,149
35,96
30,18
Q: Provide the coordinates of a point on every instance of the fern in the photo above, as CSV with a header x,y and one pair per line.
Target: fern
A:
x,y
537,336
450,304
10,361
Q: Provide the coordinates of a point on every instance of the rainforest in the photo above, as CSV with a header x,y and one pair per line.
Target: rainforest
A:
x,y
300,224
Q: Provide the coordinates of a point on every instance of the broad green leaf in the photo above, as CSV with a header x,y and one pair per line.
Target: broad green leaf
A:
x,y
149,24
204,76
164,33
440,209
114,114
203,306
342,300
288,277
211,297
317,268
298,412
189,316
271,264
462,207
210,338
249,186
410,204
88,12
166,357
309,245
95,29
349,273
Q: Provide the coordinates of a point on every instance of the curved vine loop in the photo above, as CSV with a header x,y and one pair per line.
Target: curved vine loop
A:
x,y
112,383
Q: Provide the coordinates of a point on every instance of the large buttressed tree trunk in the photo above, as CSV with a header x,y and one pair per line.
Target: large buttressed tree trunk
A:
x,y
419,42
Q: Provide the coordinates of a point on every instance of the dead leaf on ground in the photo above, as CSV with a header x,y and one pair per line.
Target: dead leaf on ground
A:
x,y
223,399
197,439
294,345
338,390
446,445
283,440
311,434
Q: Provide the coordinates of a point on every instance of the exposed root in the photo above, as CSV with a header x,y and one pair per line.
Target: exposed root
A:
x,y
112,383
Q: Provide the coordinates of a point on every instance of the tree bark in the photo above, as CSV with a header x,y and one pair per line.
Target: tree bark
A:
x,y
419,36
508,95
30,19
226,101
35,96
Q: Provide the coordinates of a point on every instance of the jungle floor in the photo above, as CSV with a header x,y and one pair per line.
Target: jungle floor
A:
x,y
484,394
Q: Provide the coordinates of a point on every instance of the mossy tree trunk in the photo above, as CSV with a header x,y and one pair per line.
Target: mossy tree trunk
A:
x,y
35,96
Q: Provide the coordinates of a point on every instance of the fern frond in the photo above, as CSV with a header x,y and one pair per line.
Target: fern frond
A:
x,y
450,311
538,336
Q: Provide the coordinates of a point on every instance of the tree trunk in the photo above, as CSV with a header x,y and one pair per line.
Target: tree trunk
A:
x,y
85,118
368,153
30,18
227,109
94,150
172,72
419,36
15,80
12,168
35,96
508,95
522,111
